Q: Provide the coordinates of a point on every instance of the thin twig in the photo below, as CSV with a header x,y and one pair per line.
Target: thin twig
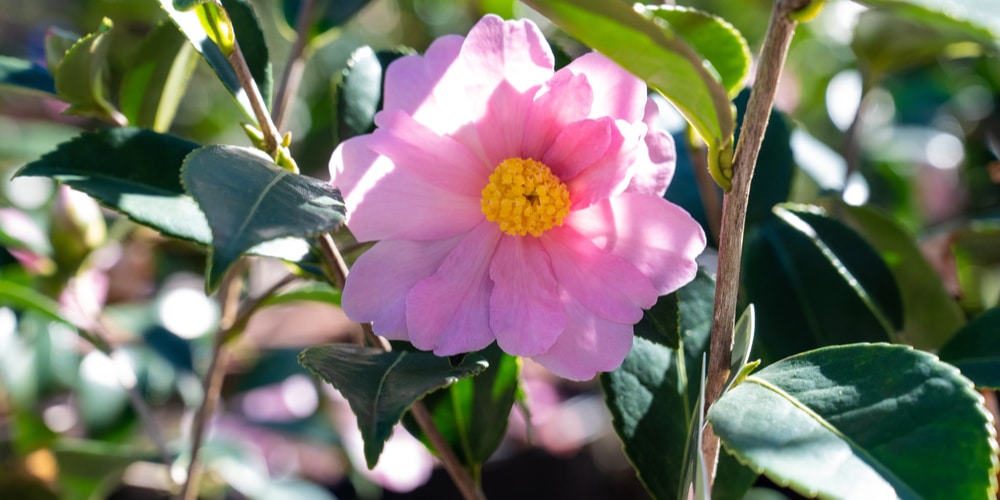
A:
x,y
423,417
229,295
734,209
272,138
291,77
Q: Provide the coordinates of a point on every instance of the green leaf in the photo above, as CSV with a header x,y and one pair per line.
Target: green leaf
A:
x,y
380,386
81,77
57,42
977,18
661,323
739,366
472,414
134,171
695,485
27,76
733,479
331,15
190,24
157,78
359,95
815,282
312,292
656,54
975,350
930,315
714,38
87,469
772,179
977,255
862,420
247,200
22,297
653,397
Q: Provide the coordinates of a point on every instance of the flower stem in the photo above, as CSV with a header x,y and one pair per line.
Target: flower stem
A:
x,y
291,77
734,209
272,137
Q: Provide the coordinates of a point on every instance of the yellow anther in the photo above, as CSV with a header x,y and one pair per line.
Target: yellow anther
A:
x,y
524,197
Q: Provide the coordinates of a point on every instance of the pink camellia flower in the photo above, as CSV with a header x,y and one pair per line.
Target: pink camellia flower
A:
x,y
513,203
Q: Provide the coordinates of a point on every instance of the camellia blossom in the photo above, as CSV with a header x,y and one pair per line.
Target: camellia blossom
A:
x,y
513,203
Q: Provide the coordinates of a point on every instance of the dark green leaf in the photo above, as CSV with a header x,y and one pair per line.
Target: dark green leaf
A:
x,y
472,413
134,171
814,282
359,95
248,200
772,179
733,479
331,15
157,78
26,75
251,39
977,253
187,4
380,386
714,38
931,316
654,53
650,397
661,323
978,18
81,77
871,417
87,468
975,350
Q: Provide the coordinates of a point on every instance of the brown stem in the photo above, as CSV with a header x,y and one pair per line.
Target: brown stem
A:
x,y
229,295
272,138
468,488
291,77
734,209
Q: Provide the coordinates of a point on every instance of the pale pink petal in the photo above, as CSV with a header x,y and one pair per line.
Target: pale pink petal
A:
x,y
657,237
610,174
412,85
380,279
512,51
565,99
526,314
448,312
580,145
656,160
617,93
605,283
387,202
589,345
420,151
501,128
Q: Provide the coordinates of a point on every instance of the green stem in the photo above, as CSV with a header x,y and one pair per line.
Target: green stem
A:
x,y
734,209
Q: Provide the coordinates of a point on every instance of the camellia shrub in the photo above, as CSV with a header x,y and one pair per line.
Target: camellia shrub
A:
x,y
776,259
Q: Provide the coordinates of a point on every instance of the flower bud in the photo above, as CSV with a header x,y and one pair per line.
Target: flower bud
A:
x,y
77,227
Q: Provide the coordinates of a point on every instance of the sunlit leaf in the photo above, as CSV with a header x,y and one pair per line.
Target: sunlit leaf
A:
x,y
157,78
380,386
862,420
247,200
82,74
975,350
359,95
978,18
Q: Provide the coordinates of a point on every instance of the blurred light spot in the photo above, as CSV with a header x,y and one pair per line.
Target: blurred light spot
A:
x,y
62,336
299,395
29,193
974,102
42,464
880,108
823,164
435,12
837,19
99,369
945,151
188,313
8,324
670,119
124,369
843,96
380,18
59,418
856,192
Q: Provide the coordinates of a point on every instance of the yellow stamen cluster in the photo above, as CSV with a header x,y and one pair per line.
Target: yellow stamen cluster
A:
x,y
524,196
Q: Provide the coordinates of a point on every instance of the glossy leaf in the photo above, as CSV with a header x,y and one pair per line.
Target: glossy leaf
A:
x,y
975,350
331,15
930,315
134,171
862,420
157,78
656,54
714,38
26,76
80,79
359,95
814,282
978,18
652,396
472,413
247,200
380,386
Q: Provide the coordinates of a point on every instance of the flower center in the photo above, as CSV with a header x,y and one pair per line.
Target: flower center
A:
x,y
524,196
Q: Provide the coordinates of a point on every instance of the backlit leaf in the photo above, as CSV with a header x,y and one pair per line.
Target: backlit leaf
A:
x,y
157,78
81,77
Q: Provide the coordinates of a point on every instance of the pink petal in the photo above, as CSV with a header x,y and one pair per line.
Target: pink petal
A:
x,y
617,93
512,51
412,85
589,345
380,279
605,283
565,99
657,237
580,145
501,128
526,314
610,174
377,194
419,150
448,312
656,160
